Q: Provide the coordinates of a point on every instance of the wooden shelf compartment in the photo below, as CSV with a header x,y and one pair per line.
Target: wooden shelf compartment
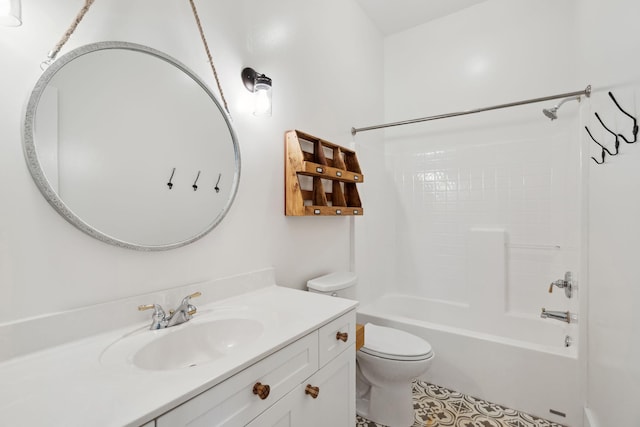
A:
x,y
330,173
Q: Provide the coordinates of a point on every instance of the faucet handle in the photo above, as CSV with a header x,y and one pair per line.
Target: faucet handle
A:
x,y
158,317
186,299
566,284
158,312
156,307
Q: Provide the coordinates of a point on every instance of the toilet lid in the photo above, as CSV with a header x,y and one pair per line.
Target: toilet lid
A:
x,y
395,344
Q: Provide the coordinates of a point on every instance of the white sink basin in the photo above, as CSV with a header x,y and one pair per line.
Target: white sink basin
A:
x,y
184,346
197,343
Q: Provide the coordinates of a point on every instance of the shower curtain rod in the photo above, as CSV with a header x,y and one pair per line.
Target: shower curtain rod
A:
x,y
586,92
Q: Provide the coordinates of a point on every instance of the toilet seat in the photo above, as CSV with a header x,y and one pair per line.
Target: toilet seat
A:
x,y
394,344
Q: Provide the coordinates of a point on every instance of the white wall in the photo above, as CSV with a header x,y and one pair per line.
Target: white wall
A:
x,y
609,60
315,54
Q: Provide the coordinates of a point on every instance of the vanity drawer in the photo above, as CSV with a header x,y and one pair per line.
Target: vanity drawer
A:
x,y
336,336
233,402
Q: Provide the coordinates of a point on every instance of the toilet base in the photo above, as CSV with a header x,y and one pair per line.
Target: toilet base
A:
x,y
391,406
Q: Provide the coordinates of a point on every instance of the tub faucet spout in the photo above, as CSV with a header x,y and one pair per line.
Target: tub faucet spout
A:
x,y
564,316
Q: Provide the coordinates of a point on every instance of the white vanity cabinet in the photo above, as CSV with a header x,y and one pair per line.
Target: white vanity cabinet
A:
x,y
322,361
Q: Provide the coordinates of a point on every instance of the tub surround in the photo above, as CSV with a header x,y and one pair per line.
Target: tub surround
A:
x,y
76,382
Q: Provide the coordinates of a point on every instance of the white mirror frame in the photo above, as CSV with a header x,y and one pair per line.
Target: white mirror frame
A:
x,y
37,172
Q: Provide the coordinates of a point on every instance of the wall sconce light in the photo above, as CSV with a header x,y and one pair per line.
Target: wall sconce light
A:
x,y
10,13
260,85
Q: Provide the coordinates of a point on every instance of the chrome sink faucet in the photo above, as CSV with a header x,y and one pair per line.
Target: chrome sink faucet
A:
x,y
184,312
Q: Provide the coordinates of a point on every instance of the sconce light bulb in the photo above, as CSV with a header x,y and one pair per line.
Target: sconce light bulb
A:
x,y
262,100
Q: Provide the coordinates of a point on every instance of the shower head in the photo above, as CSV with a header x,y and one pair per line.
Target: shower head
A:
x,y
552,112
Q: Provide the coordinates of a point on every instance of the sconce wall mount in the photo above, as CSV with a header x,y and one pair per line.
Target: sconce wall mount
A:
x,y
251,78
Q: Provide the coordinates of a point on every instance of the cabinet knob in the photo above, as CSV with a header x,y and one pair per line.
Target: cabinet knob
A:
x,y
262,390
342,336
312,391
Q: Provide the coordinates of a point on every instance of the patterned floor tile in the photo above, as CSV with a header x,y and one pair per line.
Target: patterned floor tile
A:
x,y
437,406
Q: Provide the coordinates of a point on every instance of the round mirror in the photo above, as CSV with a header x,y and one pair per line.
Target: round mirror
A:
x,y
131,147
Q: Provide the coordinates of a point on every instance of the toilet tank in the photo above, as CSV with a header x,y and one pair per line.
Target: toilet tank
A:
x,y
339,284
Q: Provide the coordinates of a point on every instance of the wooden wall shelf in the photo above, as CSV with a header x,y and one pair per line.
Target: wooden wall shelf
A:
x,y
320,177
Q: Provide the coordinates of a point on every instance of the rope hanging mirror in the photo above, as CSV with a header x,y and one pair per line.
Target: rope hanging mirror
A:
x,y
107,124
51,56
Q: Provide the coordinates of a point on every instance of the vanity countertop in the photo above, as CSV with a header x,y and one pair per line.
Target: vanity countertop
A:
x,y
76,384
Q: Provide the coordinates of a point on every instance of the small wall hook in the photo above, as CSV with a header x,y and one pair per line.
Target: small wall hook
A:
x,y
218,182
170,184
603,151
603,147
599,162
195,185
635,122
615,135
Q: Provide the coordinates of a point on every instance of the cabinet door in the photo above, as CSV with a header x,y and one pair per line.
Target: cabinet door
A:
x,y
286,412
335,405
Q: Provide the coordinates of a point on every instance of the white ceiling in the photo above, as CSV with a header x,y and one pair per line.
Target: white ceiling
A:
x,y
393,16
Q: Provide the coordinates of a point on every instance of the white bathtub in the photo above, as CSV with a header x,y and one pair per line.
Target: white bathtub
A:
x,y
523,365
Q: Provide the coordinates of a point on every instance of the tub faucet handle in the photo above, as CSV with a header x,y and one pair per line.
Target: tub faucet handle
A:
x,y
566,284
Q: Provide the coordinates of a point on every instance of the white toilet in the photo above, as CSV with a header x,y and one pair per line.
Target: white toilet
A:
x,y
388,362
